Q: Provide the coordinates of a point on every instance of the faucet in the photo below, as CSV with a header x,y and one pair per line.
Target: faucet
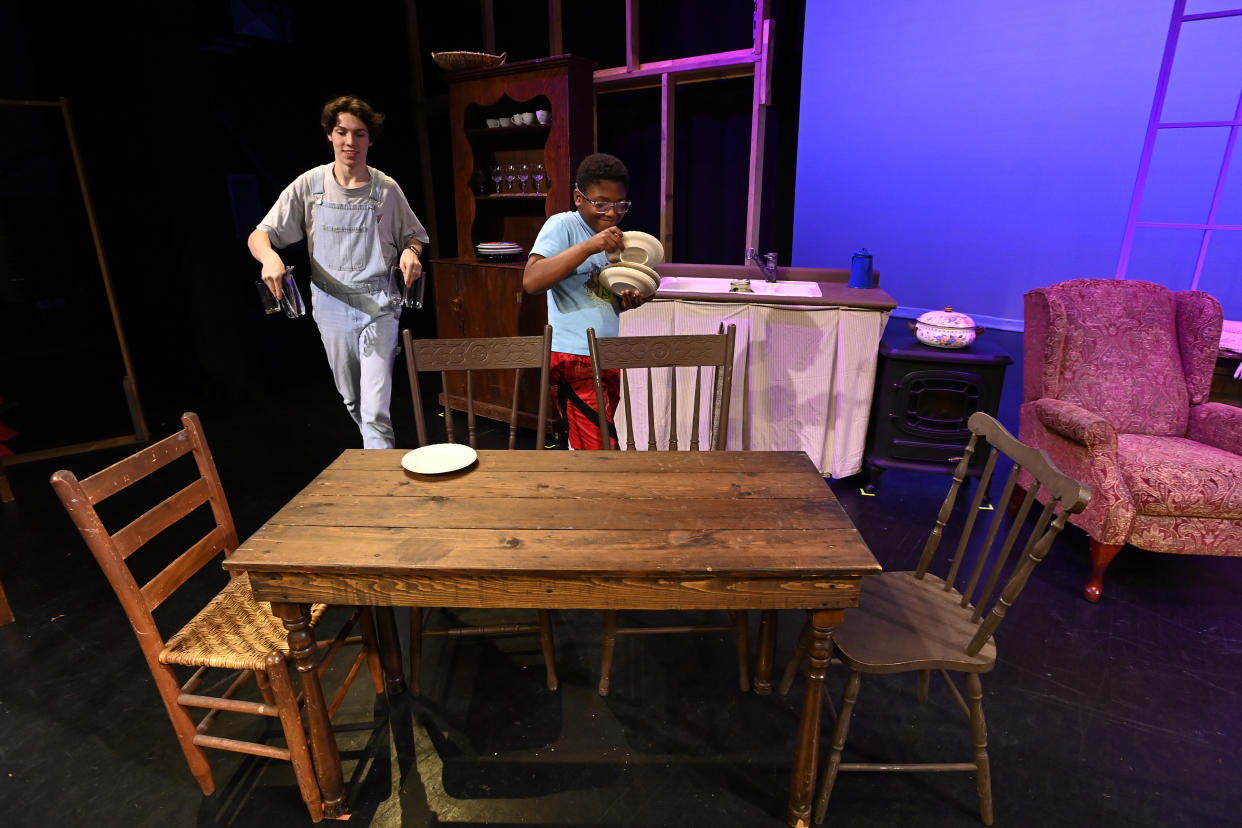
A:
x,y
766,265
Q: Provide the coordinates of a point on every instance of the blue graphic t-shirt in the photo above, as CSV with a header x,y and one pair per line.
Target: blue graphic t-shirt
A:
x,y
578,301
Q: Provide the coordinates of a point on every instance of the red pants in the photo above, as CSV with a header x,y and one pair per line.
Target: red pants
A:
x,y
573,394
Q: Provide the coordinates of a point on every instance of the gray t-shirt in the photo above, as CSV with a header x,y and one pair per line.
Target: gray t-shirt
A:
x,y
292,217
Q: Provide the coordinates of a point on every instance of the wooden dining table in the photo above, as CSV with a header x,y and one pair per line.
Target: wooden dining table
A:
x,y
569,530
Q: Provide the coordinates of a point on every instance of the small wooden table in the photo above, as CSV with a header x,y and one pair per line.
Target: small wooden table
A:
x,y
566,530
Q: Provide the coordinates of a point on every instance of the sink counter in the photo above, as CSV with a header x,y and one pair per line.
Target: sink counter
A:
x,y
803,364
807,286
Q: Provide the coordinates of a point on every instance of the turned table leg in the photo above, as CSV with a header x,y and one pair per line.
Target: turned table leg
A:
x,y
766,652
296,618
802,778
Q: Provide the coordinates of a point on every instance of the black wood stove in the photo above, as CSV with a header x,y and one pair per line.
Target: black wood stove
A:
x,y
923,398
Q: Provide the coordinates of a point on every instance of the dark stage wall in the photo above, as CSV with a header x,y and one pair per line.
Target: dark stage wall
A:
x,y
192,116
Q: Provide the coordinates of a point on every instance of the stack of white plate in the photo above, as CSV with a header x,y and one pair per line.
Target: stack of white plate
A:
x,y
624,276
498,250
632,263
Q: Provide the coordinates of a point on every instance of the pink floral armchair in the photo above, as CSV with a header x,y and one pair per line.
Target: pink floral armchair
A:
x,y
1115,387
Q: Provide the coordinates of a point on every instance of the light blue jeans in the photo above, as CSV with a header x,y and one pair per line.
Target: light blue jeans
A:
x,y
359,333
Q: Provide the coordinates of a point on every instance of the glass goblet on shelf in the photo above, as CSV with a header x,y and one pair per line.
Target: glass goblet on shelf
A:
x,y
510,174
538,176
497,175
523,174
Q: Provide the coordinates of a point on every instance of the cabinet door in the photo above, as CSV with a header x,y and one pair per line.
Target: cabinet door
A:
x,y
447,283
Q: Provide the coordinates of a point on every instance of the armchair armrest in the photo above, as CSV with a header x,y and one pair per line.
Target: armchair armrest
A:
x,y
1084,446
1217,425
1078,424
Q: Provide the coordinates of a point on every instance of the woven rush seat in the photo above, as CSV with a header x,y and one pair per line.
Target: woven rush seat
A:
x,y
233,632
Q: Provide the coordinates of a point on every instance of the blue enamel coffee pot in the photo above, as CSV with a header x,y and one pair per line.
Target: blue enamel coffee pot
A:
x,y
860,270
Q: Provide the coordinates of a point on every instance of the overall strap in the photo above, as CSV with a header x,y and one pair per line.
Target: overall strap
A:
x,y
317,181
377,185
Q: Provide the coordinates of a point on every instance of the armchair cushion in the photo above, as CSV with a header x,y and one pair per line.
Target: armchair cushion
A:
x,y
1176,477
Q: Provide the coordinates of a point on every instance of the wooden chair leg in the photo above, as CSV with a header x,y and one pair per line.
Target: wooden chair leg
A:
x,y
1102,555
741,632
371,640
295,736
265,686
607,651
6,491
795,661
6,612
839,732
169,689
549,648
416,650
979,733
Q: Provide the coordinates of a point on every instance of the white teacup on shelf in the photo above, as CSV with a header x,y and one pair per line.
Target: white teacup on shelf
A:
x,y
504,122
492,123
543,115
528,118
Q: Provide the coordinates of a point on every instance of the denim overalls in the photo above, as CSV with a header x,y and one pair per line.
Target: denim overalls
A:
x,y
353,309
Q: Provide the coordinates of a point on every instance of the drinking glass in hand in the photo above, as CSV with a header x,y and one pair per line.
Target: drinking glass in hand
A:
x,y
523,173
496,177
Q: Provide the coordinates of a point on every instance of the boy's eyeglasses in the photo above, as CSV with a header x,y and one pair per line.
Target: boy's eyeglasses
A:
x,y
604,206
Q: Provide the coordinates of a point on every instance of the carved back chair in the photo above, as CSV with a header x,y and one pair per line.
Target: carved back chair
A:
x,y
472,357
698,351
919,622
647,355
231,632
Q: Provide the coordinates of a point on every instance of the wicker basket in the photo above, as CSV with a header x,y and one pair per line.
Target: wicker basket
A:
x,y
461,61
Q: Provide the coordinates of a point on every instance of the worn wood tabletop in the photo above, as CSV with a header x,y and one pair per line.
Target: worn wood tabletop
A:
x,y
750,530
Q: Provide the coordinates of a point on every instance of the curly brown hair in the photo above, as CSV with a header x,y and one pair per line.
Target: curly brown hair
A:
x,y
357,107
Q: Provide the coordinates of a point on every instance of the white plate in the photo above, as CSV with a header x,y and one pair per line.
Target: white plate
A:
x,y
439,458
638,248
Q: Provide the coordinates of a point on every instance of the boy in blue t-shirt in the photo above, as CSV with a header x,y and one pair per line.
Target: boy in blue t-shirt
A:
x,y
565,261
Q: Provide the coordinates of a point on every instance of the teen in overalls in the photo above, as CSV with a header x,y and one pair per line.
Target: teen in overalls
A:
x,y
356,221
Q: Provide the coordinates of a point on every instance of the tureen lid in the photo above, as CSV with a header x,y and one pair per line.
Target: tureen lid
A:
x,y
947,318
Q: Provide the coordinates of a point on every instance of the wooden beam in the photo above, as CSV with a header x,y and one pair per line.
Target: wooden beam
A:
x,y
418,94
758,128
718,66
556,28
631,35
488,14
668,100
760,17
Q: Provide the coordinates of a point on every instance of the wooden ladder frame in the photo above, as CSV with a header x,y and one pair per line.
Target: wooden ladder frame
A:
x,y
140,433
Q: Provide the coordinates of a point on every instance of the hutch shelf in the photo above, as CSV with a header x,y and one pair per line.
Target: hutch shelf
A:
x,y
481,297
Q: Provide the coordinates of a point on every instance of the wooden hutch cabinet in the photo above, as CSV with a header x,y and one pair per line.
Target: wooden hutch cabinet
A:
x,y
478,297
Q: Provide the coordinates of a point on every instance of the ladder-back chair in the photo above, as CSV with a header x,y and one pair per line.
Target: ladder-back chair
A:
x,y
232,631
473,357
918,622
647,355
